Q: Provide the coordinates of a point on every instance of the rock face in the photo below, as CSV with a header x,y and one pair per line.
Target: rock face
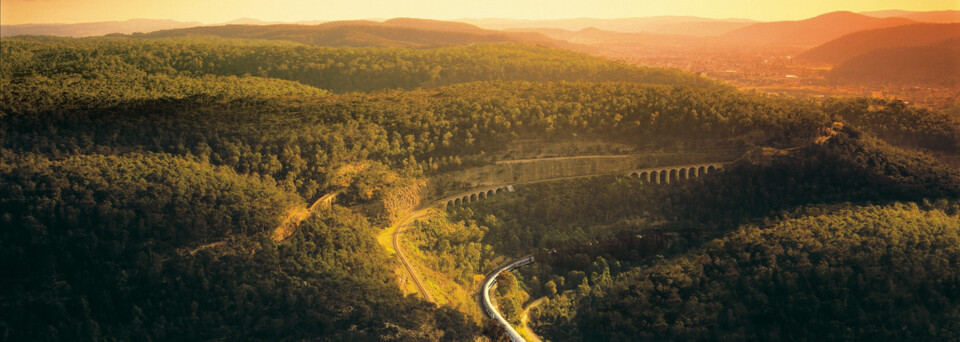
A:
x,y
396,201
402,200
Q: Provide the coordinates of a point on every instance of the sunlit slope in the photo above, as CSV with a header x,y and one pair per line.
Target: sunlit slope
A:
x,y
334,69
851,45
400,32
812,31
109,247
915,65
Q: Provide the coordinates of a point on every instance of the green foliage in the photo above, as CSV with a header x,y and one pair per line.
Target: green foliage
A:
x,y
141,197
399,32
882,273
557,214
142,178
146,246
900,124
510,297
334,69
845,168
301,142
68,91
453,248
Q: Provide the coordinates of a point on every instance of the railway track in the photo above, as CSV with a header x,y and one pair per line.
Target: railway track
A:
x,y
484,297
491,310
401,225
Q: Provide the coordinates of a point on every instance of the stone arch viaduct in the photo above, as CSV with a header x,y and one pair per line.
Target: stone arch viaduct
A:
x,y
505,175
668,174
475,195
654,175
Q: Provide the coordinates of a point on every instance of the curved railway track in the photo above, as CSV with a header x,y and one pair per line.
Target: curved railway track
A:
x,y
401,225
491,310
666,174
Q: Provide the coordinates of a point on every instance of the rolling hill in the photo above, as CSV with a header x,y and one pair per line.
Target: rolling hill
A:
x,y
93,29
949,16
593,35
401,32
811,32
682,25
914,64
844,48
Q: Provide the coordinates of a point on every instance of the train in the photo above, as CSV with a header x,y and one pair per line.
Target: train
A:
x,y
648,244
487,305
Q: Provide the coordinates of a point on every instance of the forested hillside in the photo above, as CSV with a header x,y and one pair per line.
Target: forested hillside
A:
x,y
143,180
299,136
813,31
885,273
756,250
842,49
917,65
112,247
399,32
332,69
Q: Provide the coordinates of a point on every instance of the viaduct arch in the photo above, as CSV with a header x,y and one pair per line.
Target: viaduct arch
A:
x,y
672,174
655,175
475,195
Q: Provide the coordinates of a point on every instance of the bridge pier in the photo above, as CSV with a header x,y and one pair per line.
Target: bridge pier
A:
x,y
475,195
674,174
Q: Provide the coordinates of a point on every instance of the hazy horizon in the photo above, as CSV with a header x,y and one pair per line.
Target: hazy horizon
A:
x,y
16,12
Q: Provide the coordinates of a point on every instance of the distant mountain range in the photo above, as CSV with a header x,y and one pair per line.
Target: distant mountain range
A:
x,y
675,25
811,32
863,47
808,32
929,17
933,64
93,29
844,48
400,32
595,36
917,53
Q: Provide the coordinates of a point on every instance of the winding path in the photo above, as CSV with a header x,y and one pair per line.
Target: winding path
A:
x,y
656,175
400,227
525,320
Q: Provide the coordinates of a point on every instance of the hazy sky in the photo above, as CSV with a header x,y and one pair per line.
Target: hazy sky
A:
x,y
217,11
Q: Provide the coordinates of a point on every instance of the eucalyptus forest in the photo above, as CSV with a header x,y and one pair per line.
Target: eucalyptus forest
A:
x,y
178,188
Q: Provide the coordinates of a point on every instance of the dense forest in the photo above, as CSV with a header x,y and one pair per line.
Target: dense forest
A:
x,y
593,224
97,95
397,32
143,180
822,272
784,210
119,248
332,69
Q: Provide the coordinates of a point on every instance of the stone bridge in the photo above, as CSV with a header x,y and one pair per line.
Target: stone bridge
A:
x,y
668,174
475,195
655,175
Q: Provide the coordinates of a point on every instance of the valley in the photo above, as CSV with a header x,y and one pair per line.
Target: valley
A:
x,y
650,178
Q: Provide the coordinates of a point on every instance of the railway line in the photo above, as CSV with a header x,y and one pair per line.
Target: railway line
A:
x,y
489,309
658,175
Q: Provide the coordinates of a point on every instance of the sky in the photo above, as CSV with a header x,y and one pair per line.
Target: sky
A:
x,y
218,11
